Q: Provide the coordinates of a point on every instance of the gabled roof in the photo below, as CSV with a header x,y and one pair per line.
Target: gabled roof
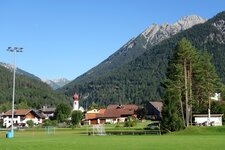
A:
x,y
90,116
102,111
158,105
22,112
19,112
128,106
115,111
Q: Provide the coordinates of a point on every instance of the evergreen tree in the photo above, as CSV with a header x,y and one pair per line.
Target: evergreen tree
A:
x,y
206,82
172,119
62,112
191,78
76,117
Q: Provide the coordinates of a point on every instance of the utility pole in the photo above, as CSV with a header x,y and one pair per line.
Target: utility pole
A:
x,y
14,50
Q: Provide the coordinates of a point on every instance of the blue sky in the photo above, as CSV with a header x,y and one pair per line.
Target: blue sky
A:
x,y
66,38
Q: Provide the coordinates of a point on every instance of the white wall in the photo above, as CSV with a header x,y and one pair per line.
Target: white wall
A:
x,y
217,120
7,121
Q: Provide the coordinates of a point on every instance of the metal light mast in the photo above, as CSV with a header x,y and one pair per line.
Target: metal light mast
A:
x,y
14,50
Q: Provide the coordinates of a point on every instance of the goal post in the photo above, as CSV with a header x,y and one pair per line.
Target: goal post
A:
x,y
98,129
50,130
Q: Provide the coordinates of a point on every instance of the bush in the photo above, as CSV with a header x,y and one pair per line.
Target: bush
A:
x,y
49,123
131,122
30,123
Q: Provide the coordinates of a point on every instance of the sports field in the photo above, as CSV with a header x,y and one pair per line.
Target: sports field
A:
x,y
202,138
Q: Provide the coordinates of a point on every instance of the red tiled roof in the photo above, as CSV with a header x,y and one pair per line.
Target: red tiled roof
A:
x,y
23,112
19,112
115,111
90,116
102,111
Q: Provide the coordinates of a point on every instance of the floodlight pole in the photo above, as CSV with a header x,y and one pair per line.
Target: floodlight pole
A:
x,y
14,50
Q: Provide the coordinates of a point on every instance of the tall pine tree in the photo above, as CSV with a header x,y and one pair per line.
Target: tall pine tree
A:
x,y
191,81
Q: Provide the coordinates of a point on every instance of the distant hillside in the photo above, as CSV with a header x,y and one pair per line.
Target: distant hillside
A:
x,y
19,71
57,83
34,92
140,80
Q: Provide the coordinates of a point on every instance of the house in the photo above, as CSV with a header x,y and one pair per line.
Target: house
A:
x,y
92,116
21,116
48,112
113,114
154,110
202,119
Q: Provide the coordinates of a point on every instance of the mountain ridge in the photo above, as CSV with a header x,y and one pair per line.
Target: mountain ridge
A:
x,y
56,83
140,79
138,45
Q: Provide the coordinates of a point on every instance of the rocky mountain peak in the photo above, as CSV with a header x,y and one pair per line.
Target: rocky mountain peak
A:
x,y
56,83
189,21
156,33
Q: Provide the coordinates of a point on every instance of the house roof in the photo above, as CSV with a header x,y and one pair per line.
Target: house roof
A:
x,y
47,110
102,111
90,116
206,115
115,111
128,106
19,112
158,105
22,112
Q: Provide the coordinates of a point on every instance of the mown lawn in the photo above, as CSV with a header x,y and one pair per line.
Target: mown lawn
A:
x,y
68,139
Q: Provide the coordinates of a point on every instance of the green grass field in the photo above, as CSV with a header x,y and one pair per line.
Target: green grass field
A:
x,y
67,139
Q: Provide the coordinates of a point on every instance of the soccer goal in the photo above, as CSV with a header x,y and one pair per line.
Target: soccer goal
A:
x,y
50,130
98,129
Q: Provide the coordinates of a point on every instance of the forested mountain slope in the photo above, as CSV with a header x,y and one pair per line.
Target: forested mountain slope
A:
x,y
137,46
29,90
140,80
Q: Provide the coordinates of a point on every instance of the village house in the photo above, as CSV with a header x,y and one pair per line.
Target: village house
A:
x,y
92,116
48,112
154,110
21,116
113,114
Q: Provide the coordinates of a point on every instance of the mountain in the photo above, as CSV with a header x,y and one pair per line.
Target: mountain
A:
x,y
137,46
57,83
19,71
29,90
103,85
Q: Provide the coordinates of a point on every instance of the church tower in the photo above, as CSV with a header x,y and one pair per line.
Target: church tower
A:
x,y
75,102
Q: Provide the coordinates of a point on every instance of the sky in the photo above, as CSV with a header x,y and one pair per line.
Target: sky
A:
x,y
66,38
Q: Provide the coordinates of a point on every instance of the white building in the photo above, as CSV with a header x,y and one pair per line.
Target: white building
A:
x,y
21,117
202,119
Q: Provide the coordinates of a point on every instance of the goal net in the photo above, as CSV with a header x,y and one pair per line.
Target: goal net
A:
x,y
50,130
98,129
